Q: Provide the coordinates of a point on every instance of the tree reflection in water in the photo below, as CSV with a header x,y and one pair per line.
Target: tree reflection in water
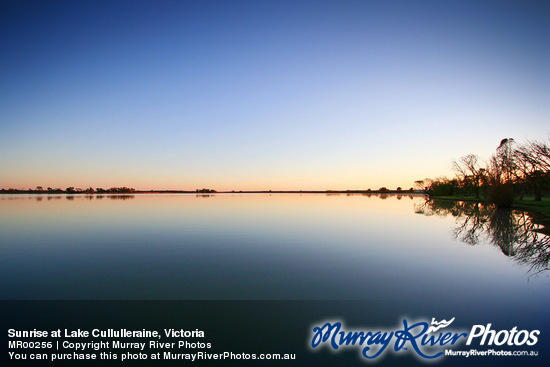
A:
x,y
514,232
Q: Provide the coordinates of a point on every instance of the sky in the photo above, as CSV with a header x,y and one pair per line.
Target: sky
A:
x,y
265,95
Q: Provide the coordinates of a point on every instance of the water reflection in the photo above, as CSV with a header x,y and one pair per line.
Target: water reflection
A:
x,y
255,246
99,197
40,197
121,197
514,232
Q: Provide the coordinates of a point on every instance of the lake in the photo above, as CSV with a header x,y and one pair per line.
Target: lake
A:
x,y
248,246
393,255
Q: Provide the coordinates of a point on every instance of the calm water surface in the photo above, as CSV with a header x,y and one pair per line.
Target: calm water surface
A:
x,y
391,251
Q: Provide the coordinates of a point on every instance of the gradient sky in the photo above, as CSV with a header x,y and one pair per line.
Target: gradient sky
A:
x,y
236,95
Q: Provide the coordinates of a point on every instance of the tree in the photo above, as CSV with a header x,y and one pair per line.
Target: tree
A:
x,y
501,172
511,169
533,165
470,173
442,186
420,185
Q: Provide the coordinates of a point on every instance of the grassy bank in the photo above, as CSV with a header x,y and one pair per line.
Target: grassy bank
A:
x,y
540,209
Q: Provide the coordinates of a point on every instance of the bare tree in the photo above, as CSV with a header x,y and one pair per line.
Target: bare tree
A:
x,y
501,172
470,173
533,166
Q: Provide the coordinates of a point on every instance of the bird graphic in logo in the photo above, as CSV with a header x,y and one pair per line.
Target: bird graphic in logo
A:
x,y
439,325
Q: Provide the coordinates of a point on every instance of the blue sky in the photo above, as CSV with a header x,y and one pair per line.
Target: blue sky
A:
x,y
264,94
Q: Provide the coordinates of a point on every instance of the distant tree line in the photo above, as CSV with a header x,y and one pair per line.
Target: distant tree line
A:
x,y
513,171
205,191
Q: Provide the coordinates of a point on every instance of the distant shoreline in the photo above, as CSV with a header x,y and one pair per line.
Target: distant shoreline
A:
x,y
200,192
